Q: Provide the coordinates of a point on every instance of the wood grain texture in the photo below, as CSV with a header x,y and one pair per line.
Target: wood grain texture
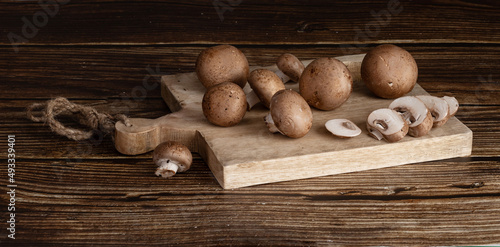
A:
x,y
469,72
97,52
277,22
97,201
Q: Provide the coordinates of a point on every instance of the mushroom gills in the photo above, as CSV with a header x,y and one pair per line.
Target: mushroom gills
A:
x,y
342,128
415,113
438,107
386,124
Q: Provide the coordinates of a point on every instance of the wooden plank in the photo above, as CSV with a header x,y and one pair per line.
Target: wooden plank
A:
x,y
247,154
173,22
470,73
453,202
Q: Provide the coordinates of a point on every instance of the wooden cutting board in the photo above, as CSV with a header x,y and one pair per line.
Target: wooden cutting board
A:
x,y
248,154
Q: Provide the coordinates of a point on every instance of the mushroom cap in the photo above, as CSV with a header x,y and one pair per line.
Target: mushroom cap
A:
x,y
291,66
438,107
291,113
265,84
387,122
389,71
415,113
222,63
173,151
343,128
224,104
326,83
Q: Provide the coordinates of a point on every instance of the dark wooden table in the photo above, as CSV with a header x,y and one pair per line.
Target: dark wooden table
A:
x,y
99,53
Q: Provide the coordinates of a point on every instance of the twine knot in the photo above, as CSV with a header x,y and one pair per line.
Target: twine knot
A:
x,y
85,115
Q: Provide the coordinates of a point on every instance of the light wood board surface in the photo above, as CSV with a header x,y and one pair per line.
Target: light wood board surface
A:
x,y
248,154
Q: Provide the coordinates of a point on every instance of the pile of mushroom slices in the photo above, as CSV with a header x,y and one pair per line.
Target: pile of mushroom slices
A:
x,y
412,115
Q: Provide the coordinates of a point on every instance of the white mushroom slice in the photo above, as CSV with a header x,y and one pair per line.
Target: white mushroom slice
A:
x,y
386,124
452,105
438,108
415,113
343,128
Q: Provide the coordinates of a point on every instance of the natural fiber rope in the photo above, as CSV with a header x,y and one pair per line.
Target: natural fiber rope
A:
x,y
85,115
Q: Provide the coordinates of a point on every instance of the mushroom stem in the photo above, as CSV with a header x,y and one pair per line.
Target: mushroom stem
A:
x,y
167,168
284,78
270,124
252,99
375,134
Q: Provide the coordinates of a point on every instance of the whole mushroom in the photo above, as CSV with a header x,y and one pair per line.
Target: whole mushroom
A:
x,y
290,67
171,157
222,63
290,114
224,104
386,124
264,84
389,71
326,83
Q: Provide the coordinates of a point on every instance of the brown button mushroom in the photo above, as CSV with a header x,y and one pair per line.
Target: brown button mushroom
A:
x,y
415,113
326,83
222,63
224,104
171,157
290,67
389,71
265,84
290,114
438,107
342,128
386,124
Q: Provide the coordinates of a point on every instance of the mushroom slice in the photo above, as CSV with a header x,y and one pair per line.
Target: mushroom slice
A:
x,y
265,84
343,128
415,113
290,67
438,108
452,105
386,124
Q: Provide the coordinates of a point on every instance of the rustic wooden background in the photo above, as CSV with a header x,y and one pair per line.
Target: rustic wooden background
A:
x,y
100,53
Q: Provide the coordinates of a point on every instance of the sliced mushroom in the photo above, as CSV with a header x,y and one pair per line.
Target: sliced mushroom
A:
x,y
438,107
452,105
290,114
264,84
386,124
290,67
343,128
415,113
